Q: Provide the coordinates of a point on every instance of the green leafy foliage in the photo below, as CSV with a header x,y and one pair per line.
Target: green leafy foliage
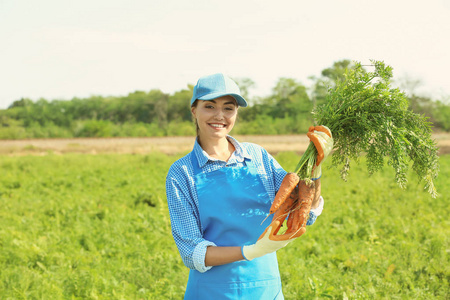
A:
x,y
86,227
98,227
367,116
373,240
286,110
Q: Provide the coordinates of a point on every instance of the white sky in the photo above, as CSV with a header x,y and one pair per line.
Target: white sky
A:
x,y
60,49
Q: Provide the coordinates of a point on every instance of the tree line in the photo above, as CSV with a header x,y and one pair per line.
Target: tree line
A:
x,y
287,110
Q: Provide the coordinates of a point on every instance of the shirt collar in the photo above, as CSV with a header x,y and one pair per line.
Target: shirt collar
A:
x,y
239,154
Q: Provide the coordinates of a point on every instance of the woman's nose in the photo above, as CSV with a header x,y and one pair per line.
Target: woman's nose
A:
x,y
219,115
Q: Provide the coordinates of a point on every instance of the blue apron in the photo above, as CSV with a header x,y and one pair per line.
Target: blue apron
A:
x,y
232,205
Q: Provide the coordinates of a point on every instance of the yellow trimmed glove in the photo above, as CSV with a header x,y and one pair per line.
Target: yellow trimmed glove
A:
x,y
267,243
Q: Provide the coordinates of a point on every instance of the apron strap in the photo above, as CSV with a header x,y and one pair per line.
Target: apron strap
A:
x,y
198,170
194,160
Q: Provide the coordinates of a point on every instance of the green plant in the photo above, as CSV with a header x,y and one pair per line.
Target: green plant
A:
x,y
71,229
367,116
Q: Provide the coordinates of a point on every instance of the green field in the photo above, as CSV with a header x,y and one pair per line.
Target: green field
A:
x,y
97,227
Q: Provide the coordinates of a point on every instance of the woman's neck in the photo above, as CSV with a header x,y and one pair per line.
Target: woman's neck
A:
x,y
217,148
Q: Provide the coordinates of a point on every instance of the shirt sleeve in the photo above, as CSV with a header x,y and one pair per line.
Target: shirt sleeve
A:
x,y
277,170
185,223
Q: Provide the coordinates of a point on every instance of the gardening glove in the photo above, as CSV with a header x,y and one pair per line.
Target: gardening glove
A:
x,y
323,141
267,243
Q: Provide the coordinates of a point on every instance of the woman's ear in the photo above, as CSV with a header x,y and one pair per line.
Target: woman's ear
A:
x,y
193,109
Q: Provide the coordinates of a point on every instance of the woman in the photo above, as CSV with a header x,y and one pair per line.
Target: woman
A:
x,y
218,197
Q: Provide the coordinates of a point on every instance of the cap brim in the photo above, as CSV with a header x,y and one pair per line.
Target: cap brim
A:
x,y
239,99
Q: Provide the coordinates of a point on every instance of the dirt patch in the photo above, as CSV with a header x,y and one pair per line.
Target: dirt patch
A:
x,y
168,145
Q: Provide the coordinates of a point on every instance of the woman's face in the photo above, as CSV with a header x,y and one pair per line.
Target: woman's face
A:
x,y
215,118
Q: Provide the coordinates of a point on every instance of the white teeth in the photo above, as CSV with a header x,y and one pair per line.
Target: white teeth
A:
x,y
218,125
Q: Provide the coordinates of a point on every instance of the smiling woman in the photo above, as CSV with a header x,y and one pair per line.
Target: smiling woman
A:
x,y
214,120
219,197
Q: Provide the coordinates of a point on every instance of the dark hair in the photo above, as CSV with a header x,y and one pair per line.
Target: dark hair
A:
x,y
194,119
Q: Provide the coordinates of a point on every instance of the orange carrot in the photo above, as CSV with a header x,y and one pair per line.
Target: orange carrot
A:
x,y
287,186
301,213
293,220
287,205
297,206
294,196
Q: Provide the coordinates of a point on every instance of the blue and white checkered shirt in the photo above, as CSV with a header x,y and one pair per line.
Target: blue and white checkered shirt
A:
x,y
183,201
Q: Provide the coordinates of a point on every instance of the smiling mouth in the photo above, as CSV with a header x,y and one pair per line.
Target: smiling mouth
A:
x,y
217,125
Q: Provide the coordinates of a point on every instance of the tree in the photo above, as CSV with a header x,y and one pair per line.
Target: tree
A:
x,y
289,98
329,77
337,71
178,105
245,84
21,103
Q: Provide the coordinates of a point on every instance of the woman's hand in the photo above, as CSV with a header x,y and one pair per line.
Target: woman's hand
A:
x,y
268,242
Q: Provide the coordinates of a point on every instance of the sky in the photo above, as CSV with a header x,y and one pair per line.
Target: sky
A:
x,y
61,49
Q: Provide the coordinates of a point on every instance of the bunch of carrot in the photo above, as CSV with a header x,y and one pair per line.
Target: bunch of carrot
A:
x,y
296,194
367,117
292,202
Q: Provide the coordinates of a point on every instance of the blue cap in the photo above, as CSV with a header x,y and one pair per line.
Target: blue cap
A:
x,y
214,86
